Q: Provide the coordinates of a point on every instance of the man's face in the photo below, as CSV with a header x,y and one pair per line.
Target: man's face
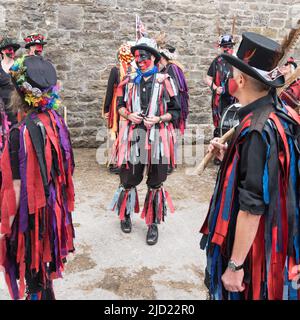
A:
x,y
143,59
228,49
235,83
36,50
9,52
163,62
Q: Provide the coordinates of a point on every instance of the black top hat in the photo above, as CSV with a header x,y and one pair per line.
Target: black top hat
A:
x,y
9,42
34,39
149,45
226,40
40,73
258,56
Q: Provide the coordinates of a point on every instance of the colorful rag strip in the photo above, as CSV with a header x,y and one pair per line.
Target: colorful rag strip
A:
x,y
155,206
37,244
125,202
160,139
271,267
183,96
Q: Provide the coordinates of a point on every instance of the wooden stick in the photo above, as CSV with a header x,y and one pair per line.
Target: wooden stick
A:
x,y
65,115
209,156
295,75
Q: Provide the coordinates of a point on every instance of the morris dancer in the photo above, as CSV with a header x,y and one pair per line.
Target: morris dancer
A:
x,y
117,74
251,233
8,48
35,44
218,75
149,105
171,66
37,194
291,95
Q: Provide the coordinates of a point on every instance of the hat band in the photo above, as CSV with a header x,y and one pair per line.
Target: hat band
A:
x,y
269,75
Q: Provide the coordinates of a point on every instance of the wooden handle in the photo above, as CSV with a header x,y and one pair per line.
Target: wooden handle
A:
x,y
209,156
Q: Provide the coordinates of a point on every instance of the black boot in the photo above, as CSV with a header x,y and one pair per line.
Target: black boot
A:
x,y
114,169
126,224
152,234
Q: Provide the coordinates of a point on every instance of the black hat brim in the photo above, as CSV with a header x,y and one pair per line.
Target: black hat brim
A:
x,y
164,56
27,45
226,44
16,46
246,68
149,49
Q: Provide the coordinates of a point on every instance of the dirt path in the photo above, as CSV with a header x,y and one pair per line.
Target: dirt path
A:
x,y
109,264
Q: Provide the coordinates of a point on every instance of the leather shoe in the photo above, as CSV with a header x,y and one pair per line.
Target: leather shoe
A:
x,y
152,235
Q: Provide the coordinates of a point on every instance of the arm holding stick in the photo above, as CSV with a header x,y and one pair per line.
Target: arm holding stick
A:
x,y
217,147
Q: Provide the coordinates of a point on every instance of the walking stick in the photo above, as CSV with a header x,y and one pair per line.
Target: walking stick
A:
x,y
209,156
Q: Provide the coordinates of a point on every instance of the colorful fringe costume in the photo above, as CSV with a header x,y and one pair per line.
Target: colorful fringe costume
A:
x,y
291,95
220,71
270,267
36,246
176,72
157,145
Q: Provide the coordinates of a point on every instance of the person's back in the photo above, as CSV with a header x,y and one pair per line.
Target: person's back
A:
x,y
37,194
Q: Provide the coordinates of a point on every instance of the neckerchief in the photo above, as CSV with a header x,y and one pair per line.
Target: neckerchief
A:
x,y
146,74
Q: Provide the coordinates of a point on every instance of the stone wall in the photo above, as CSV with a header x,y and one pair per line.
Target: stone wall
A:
x,y
83,36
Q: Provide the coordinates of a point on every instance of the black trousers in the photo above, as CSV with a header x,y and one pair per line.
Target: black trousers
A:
x,y
133,176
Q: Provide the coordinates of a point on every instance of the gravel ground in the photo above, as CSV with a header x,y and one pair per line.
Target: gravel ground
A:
x,y
109,264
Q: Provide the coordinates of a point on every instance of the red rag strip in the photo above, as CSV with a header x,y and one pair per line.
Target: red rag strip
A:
x,y
149,215
137,205
258,256
123,206
8,196
222,225
160,207
170,203
35,188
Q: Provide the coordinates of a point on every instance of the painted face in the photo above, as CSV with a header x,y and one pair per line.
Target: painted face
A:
x,y
36,50
9,52
228,50
143,59
232,86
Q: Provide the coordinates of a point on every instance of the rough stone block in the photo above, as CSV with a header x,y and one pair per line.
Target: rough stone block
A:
x,y
70,17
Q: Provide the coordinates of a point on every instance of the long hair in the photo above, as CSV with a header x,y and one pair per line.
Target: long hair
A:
x,y
17,103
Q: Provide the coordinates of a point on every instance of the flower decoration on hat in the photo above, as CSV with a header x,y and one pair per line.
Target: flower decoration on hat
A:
x,y
34,39
124,54
35,97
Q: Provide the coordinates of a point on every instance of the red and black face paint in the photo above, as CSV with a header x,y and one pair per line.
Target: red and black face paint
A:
x,y
228,50
143,59
38,49
9,52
